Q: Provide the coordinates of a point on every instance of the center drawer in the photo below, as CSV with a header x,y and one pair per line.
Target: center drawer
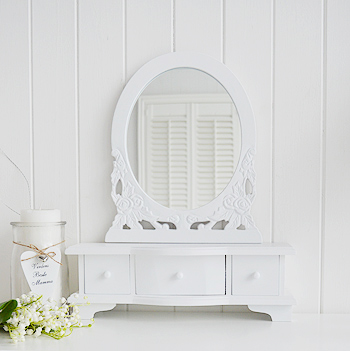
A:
x,y
180,275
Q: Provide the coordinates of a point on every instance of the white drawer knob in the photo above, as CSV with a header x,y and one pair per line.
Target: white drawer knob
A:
x,y
107,274
256,275
179,275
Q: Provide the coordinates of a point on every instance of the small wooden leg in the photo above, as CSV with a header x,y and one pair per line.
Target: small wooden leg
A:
x,y
278,313
87,311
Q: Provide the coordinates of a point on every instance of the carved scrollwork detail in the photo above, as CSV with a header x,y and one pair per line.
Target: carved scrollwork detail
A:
x,y
130,206
234,210
236,206
191,219
174,219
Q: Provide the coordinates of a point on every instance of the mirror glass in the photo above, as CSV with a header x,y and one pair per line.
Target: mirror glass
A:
x,y
184,139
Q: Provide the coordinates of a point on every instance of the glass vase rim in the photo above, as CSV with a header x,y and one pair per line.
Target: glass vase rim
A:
x,y
37,224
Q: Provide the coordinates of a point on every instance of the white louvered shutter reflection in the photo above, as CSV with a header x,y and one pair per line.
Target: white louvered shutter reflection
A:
x,y
187,151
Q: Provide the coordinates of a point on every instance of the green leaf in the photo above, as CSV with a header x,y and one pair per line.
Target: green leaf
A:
x,y
6,309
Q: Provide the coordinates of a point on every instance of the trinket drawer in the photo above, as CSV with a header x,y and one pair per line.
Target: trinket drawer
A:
x,y
184,275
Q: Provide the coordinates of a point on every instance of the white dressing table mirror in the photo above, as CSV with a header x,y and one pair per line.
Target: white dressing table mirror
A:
x,y
183,182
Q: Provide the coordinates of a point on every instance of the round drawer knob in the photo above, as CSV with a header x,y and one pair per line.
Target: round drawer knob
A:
x,y
179,275
107,274
256,275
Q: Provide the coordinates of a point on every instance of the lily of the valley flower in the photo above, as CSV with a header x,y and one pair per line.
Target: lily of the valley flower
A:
x,y
33,317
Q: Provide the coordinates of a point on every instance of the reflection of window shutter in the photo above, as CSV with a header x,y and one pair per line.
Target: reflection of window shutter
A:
x,y
186,147
214,149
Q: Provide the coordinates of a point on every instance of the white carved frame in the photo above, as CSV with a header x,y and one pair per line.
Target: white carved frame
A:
x,y
134,206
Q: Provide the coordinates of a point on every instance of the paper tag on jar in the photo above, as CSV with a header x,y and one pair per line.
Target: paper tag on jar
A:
x,y
41,275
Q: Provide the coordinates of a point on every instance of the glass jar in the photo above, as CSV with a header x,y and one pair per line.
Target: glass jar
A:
x,y
28,236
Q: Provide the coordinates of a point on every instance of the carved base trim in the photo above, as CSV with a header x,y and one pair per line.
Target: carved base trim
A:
x,y
277,313
87,312
233,236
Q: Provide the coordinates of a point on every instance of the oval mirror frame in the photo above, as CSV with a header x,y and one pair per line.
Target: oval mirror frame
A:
x,y
139,218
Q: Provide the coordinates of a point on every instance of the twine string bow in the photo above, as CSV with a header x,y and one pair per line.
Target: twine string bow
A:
x,y
41,252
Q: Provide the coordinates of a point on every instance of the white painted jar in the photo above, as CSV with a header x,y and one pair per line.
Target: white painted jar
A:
x,y
41,229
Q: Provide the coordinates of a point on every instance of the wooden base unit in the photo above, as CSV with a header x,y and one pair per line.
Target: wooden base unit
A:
x,y
184,275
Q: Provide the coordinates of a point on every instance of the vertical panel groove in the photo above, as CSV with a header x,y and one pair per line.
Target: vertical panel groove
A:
x,y
173,26
227,53
323,149
172,29
77,132
124,54
31,108
223,33
272,196
336,166
297,140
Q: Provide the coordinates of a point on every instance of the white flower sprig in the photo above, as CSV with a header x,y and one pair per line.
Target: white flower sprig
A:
x,y
32,317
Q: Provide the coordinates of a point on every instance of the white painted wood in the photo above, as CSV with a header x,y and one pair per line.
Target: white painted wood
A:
x,y
277,313
54,113
148,32
201,309
15,124
294,62
335,280
216,300
120,308
228,269
297,148
184,275
180,249
107,274
248,52
81,272
87,311
198,26
258,275
101,72
180,275
232,205
282,269
132,273
150,308
179,236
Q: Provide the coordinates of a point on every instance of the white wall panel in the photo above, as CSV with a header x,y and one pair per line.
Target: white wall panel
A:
x,y
198,26
149,29
101,62
297,149
15,114
336,260
288,55
248,44
54,117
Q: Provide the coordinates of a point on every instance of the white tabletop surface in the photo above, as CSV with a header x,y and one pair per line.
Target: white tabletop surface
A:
x,y
169,331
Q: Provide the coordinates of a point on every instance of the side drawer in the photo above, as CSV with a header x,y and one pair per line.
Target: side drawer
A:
x,y
180,275
107,274
255,275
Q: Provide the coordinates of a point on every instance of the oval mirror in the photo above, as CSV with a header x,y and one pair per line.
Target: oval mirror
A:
x,y
184,139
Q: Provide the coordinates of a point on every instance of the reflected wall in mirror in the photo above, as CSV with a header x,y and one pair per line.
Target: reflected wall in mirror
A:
x,y
184,139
